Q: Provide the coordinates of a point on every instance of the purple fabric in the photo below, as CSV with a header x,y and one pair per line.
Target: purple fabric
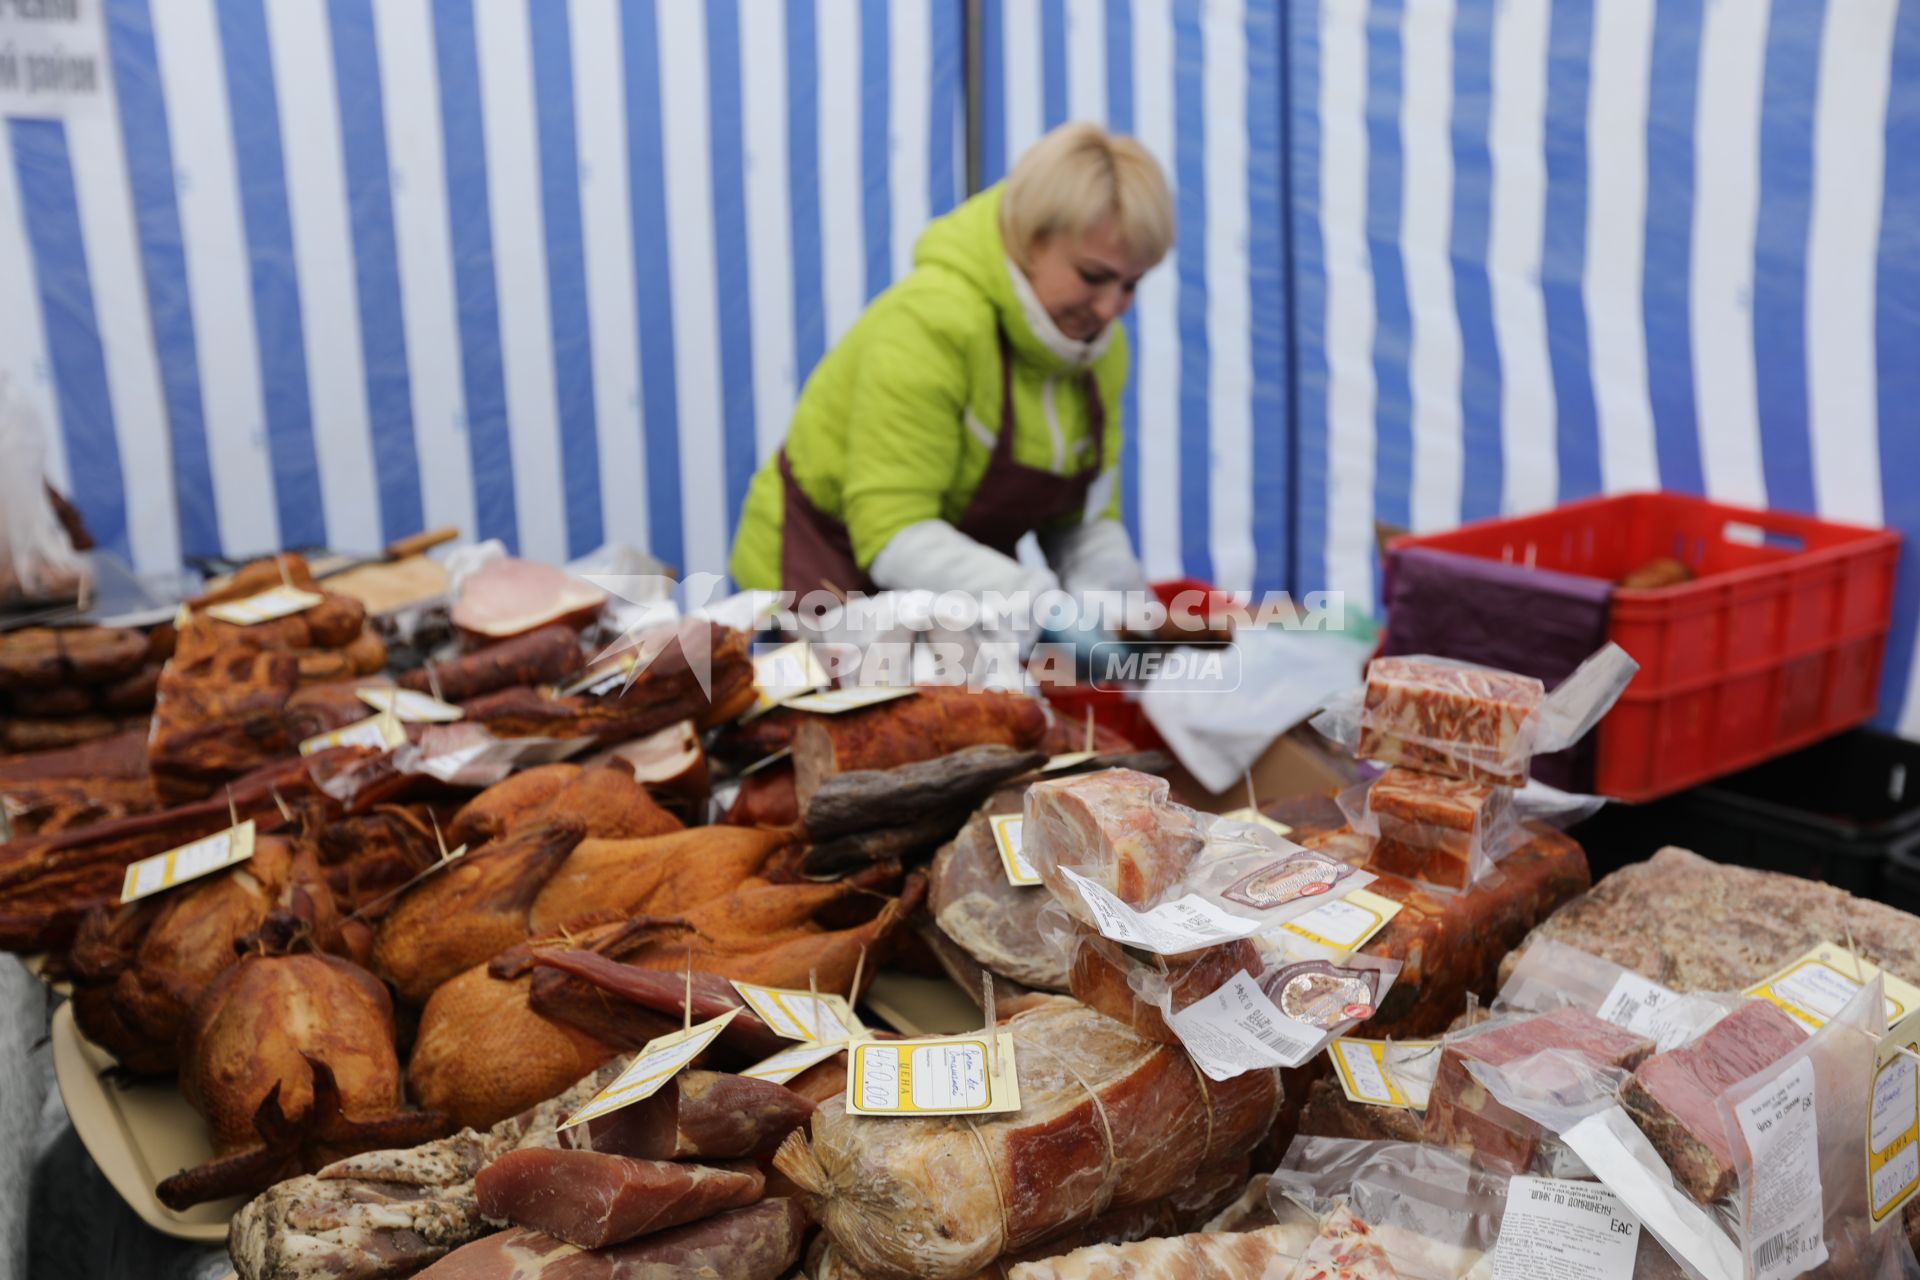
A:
x,y
1537,622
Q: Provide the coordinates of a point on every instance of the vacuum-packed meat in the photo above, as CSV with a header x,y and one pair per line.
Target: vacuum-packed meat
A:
x,y
1107,1120
1671,1096
1117,828
1270,1253
593,1200
1460,1111
1446,717
700,1115
759,1242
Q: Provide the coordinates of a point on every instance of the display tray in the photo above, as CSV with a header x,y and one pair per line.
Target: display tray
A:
x,y
137,1133
916,1006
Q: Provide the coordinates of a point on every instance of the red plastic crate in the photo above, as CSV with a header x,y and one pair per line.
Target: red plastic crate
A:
x,y
1776,643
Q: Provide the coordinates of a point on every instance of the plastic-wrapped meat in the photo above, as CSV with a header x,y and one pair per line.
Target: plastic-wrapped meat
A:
x,y
1460,1111
1442,830
593,1200
759,1242
1270,1253
994,921
1103,977
1447,717
1671,1097
936,721
697,1114
1107,1120
1117,828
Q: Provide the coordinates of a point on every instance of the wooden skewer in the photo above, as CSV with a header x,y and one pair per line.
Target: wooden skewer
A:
x,y
285,812
437,837
433,684
813,995
1852,953
1089,746
233,813
280,563
838,594
993,1028
686,1016
1253,801
859,971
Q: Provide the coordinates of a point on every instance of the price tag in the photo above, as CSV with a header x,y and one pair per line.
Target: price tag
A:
x,y
189,862
1819,984
651,1068
941,1076
785,674
1893,1123
1006,839
1386,1073
603,679
832,702
1069,760
1185,924
381,732
1785,1211
1565,1230
788,1063
1345,924
1247,813
1238,1029
280,602
410,706
801,1015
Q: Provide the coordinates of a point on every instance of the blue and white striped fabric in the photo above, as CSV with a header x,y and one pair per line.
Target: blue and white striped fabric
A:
x,y
1206,480
330,271
1549,248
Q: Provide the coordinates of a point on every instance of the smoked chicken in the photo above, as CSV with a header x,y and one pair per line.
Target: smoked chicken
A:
x,y
291,1060
490,813
473,910
611,804
660,875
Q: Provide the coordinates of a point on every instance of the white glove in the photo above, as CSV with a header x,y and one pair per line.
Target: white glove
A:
x,y
1094,556
935,556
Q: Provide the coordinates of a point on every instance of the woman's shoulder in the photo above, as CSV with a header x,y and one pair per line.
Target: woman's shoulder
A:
x,y
939,303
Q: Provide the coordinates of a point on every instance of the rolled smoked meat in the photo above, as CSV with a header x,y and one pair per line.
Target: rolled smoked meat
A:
x,y
539,657
1107,1120
759,1242
936,721
708,1115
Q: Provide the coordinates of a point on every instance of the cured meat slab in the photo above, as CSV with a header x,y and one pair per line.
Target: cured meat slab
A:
x,y
992,920
1671,1096
593,1200
759,1242
1460,1111
1442,717
544,656
1118,828
697,1115
936,721
1107,1120
1442,830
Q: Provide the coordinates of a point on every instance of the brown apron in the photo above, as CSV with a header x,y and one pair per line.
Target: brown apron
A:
x,y
1013,500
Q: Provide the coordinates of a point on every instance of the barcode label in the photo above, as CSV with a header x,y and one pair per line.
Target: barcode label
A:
x,y
1774,1249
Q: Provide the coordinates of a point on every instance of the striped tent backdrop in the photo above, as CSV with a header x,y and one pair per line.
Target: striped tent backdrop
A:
x,y
329,271
1206,468
1551,248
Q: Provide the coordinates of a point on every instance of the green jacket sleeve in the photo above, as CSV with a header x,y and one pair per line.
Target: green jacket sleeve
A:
x,y
904,434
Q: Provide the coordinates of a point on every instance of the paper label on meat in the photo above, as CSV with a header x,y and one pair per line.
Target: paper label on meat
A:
x,y
1247,813
1786,1208
651,1068
833,702
381,732
1323,995
1007,830
1345,924
203,857
1238,1029
604,679
788,1063
1386,1073
1893,1123
801,1015
280,602
1663,1015
1300,873
1819,984
782,674
937,1076
1554,1229
410,706
1170,929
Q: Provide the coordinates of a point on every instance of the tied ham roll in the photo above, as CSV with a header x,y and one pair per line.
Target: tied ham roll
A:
x,y
760,1242
594,1200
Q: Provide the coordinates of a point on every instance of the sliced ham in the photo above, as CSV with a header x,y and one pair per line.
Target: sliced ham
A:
x,y
592,1200
507,598
760,1242
698,1114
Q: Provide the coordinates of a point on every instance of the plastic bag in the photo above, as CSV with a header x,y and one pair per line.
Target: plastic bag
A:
x,y
37,558
1448,833
1551,975
1440,715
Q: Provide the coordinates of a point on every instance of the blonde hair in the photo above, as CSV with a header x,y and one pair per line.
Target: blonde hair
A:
x,y
1075,176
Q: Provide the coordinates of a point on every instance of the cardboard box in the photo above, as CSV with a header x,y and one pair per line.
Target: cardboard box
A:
x,y
1299,763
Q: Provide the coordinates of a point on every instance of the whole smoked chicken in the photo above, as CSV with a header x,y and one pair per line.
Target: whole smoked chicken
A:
x,y
659,875
470,912
291,1060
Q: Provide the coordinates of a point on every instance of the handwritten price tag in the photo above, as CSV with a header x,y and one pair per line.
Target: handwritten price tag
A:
x,y
941,1076
651,1068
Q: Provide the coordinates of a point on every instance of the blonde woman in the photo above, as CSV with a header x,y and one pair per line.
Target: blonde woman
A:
x,y
978,399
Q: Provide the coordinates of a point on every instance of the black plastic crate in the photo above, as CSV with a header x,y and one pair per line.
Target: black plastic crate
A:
x,y
1846,811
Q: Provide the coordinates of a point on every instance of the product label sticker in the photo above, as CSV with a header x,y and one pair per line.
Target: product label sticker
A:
x,y
1295,875
1006,839
1185,924
652,1067
1345,924
1386,1073
938,1076
785,673
1786,1208
832,702
1238,1029
381,732
1324,995
280,602
1893,1123
603,679
1554,1229
1068,760
409,705
188,862
801,1015
1247,813
1818,985
788,1063
1662,1015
